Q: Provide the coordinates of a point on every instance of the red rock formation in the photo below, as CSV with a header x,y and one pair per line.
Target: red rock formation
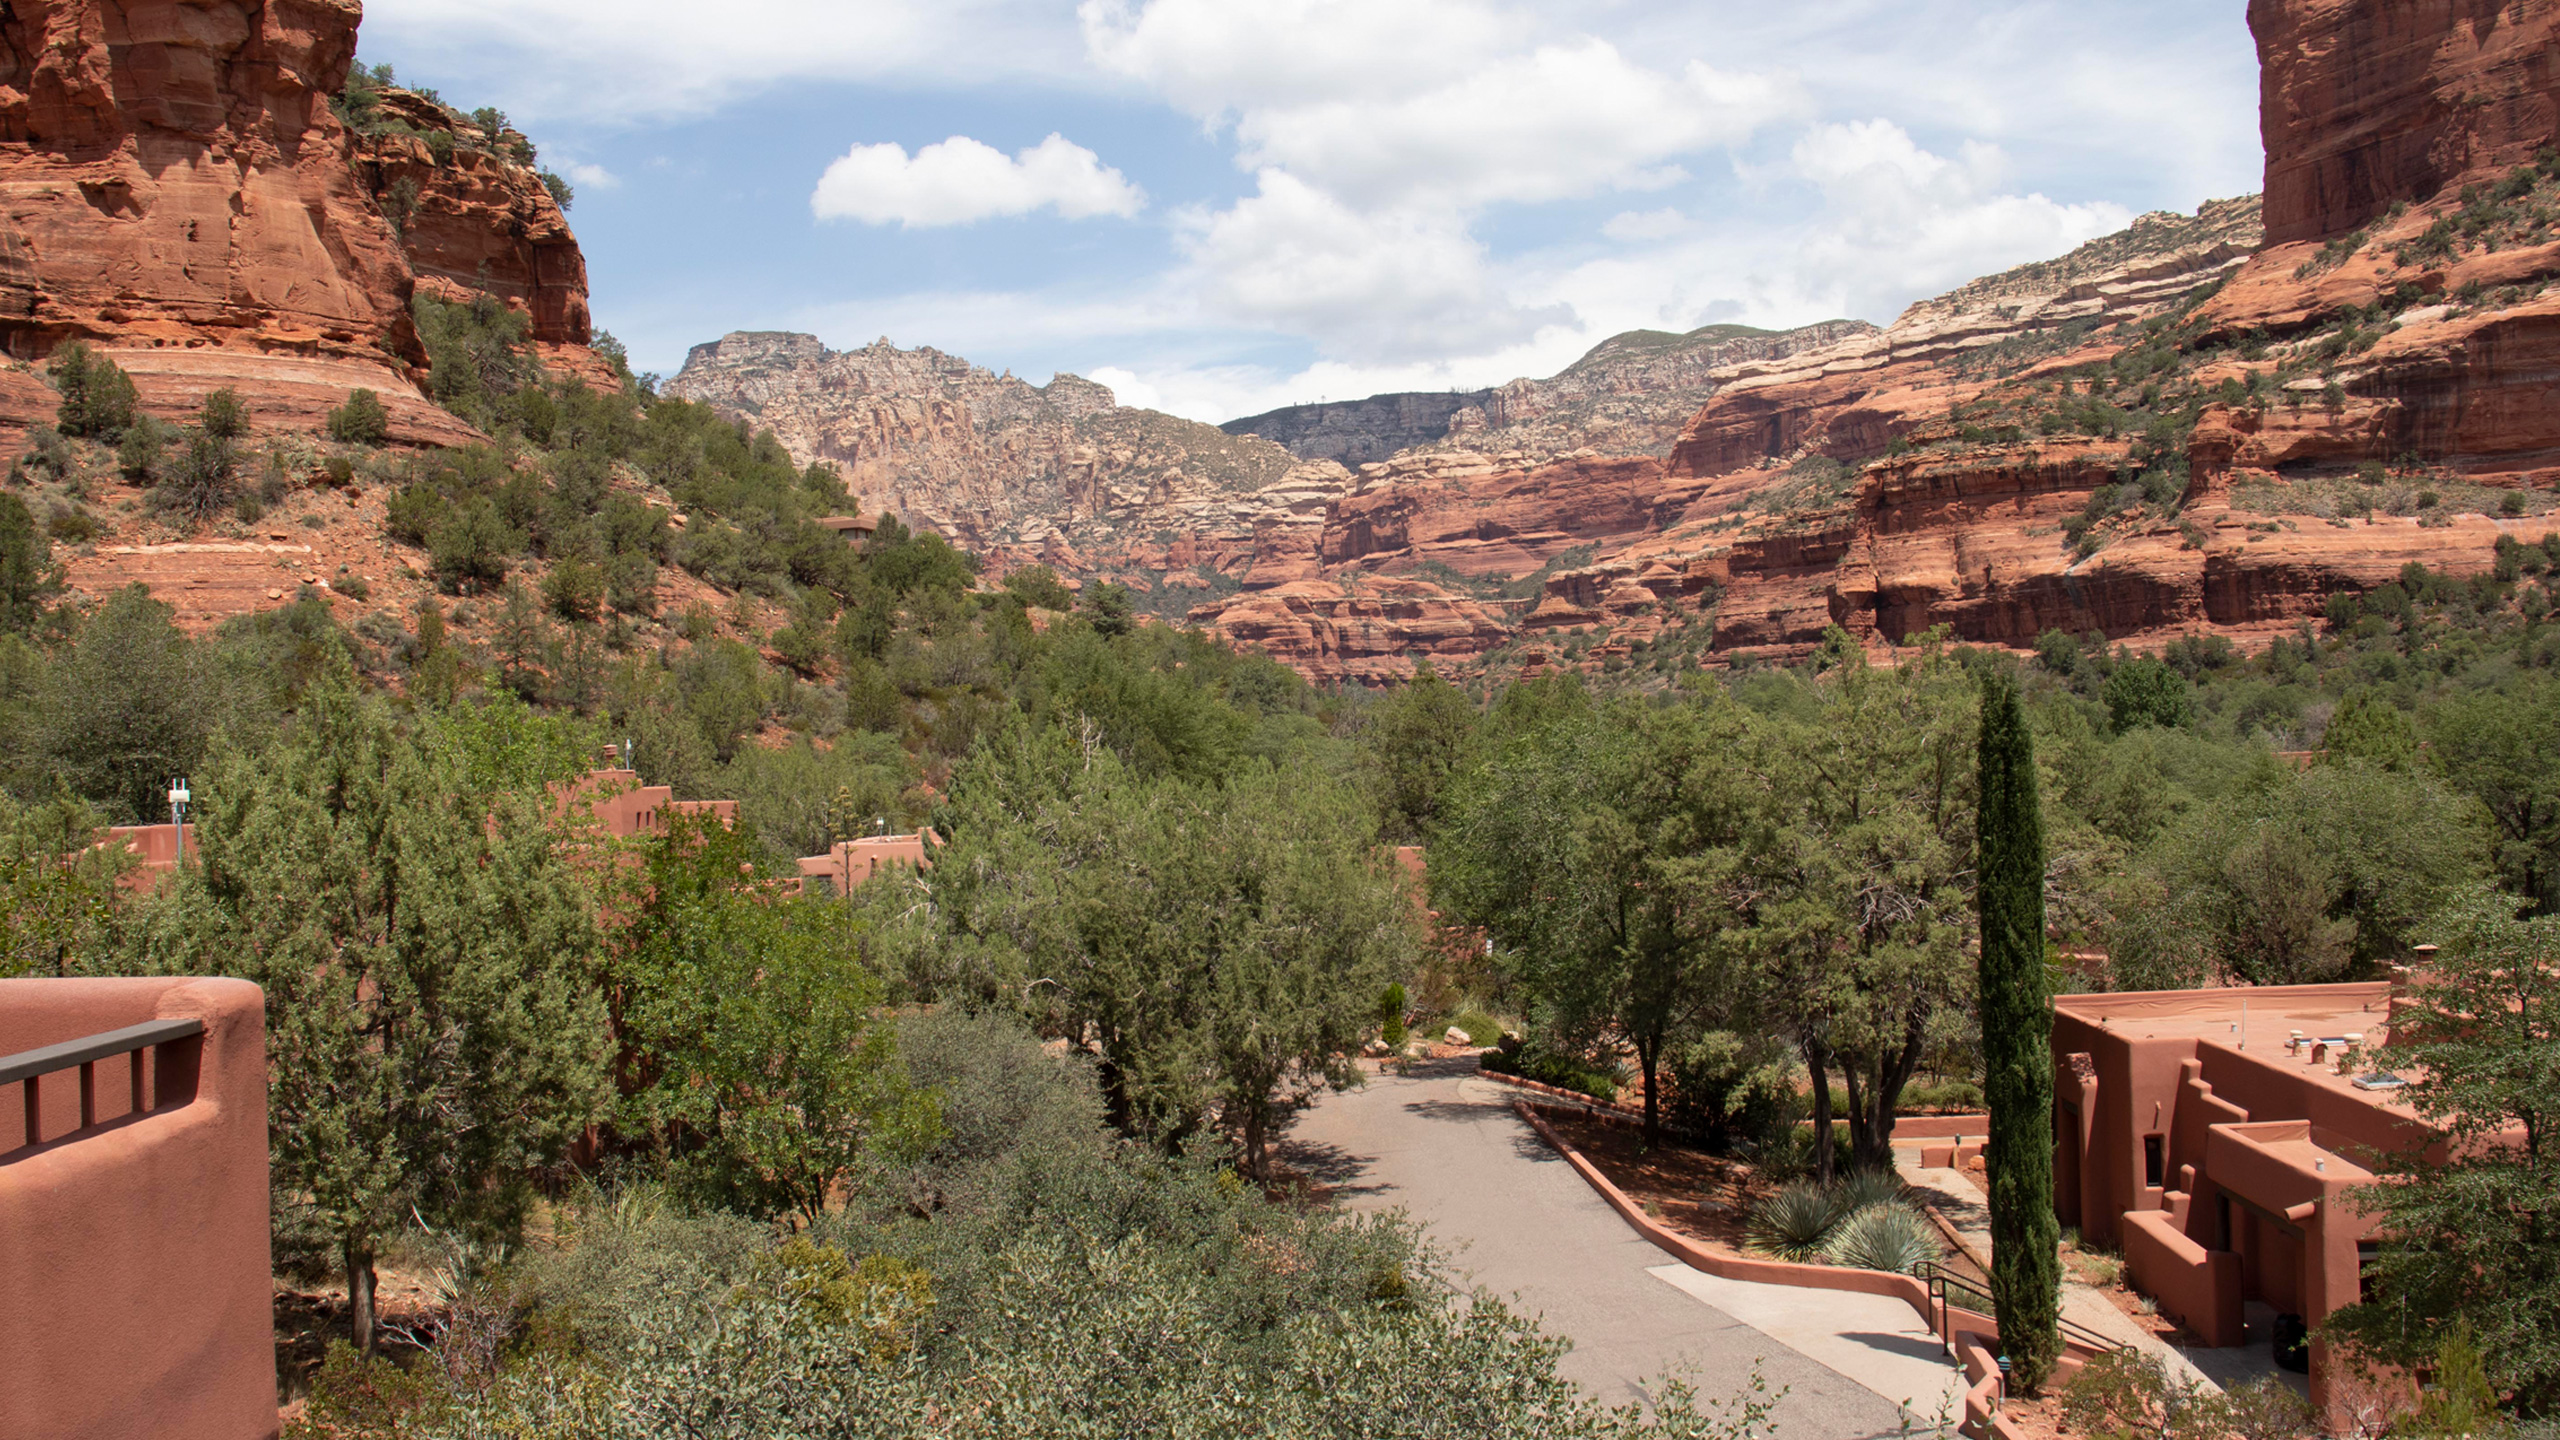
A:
x,y
477,219
2362,104
177,188
1359,628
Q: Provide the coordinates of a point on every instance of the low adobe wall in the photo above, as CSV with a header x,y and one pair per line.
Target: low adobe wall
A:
x,y
2197,1286
135,1288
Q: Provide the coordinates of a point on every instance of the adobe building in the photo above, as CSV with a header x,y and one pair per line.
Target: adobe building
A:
x,y
853,529
2214,1135
848,863
626,809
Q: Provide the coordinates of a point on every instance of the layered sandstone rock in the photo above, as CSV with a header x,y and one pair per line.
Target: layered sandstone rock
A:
x,y
1363,629
177,189
1629,396
473,214
2365,104
1017,470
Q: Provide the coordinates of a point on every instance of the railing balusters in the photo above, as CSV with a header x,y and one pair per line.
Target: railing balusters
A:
x,y
138,1044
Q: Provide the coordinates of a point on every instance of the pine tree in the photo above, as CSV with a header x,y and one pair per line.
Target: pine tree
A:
x,y
2017,1036
422,940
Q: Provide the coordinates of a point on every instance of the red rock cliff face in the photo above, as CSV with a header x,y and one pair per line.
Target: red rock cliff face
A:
x,y
174,186
477,219
2364,102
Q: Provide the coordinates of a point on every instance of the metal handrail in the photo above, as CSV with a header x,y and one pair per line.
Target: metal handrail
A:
x,y
1941,1281
29,1067
44,1060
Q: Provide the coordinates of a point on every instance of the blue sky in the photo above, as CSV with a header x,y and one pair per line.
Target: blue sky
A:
x,y
1219,206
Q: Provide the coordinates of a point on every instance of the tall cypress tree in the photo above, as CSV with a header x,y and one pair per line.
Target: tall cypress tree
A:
x,y
2017,1040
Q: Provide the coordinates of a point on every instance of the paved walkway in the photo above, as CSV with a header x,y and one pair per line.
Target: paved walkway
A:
x,y
1515,1219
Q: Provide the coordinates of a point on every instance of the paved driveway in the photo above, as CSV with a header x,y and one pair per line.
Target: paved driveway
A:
x,y
1517,1220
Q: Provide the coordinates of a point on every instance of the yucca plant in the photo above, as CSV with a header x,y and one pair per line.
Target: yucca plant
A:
x,y
1794,1223
1889,1236
1868,1187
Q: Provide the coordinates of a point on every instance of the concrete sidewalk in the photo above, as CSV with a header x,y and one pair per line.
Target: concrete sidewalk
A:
x,y
1515,1219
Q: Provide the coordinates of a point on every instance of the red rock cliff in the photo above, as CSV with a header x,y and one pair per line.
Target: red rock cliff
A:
x,y
2364,102
177,189
472,215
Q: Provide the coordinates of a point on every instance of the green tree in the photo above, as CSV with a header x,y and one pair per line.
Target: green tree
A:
x,y
131,704
425,947
1417,738
2017,1030
471,543
98,399
361,421
2143,691
1107,606
2471,1226
1215,948
2370,728
1856,901
2502,748
1038,586
28,576
1598,852
767,1068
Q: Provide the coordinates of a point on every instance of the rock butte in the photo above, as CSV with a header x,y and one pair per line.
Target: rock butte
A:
x,y
180,193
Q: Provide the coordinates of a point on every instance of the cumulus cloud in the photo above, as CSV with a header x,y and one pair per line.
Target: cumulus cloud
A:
x,y
960,180
1389,284
592,177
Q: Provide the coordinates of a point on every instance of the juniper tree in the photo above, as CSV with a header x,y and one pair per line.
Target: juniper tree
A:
x,y
423,941
2017,1036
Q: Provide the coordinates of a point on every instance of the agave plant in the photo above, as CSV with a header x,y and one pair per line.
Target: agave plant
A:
x,y
1863,1188
1794,1223
1890,1236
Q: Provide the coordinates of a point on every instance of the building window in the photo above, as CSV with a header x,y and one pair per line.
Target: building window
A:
x,y
2155,1159
2368,1253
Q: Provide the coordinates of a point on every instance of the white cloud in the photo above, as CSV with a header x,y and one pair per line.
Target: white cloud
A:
x,y
592,177
1389,284
1637,225
1216,58
960,180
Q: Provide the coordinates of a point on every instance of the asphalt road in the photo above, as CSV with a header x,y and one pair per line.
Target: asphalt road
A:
x,y
1515,1219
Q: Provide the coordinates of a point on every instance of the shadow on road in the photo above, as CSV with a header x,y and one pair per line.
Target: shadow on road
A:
x,y
1911,1345
1337,1171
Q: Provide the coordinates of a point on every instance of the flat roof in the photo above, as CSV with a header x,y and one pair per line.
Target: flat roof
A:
x,y
2271,1013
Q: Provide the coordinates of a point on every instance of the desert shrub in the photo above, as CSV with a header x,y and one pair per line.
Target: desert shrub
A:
x,y
202,482
470,545
361,421
1861,1189
223,416
574,590
71,525
2127,1395
1552,1067
1796,1222
1728,1089
1391,1007
138,454
351,585
1955,1095
98,399
49,452
1482,1029
1886,1236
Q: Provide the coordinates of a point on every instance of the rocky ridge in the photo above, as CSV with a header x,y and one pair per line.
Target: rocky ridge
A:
x,y
1630,395
1060,474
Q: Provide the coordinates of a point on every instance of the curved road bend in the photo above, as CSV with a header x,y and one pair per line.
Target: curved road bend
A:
x,y
1515,1218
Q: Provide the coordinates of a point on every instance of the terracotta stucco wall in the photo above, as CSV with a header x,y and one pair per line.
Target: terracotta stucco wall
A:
x,y
134,1279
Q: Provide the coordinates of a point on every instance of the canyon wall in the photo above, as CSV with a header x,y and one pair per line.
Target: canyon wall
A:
x,y
2362,104
177,190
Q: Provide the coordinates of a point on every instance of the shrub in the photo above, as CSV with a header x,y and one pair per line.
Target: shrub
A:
x,y
138,454
561,194
203,481
1482,1029
1727,1088
470,544
223,416
98,401
1796,1222
2144,691
1391,1016
574,590
71,525
1861,1189
1889,1236
351,585
2126,1393
1548,1067
361,421
1955,1095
